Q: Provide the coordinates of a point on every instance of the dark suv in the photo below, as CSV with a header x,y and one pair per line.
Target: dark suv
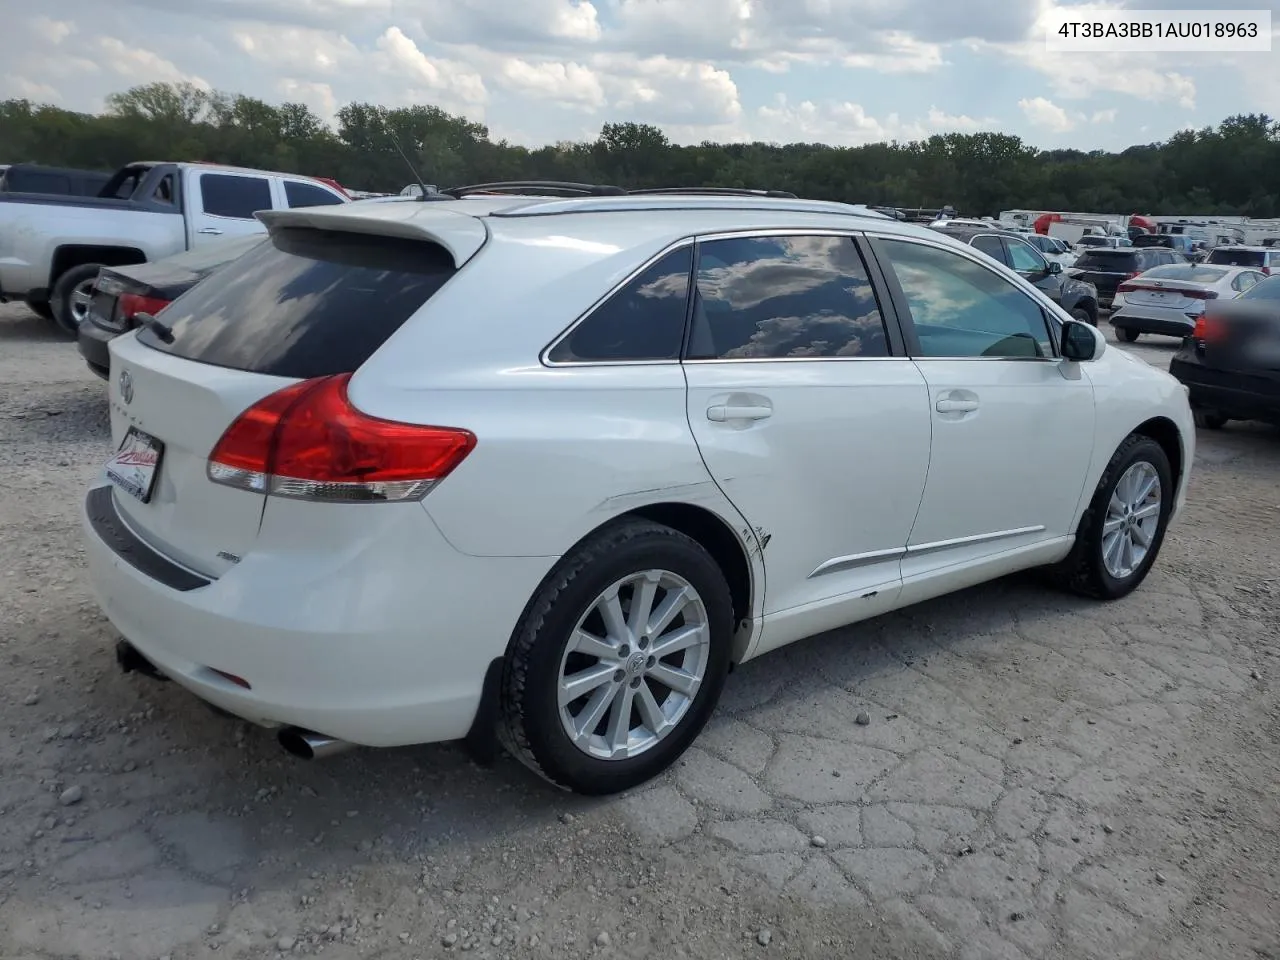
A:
x,y
1107,268
1077,297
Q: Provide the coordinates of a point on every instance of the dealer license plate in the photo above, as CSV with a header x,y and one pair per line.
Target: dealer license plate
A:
x,y
134,466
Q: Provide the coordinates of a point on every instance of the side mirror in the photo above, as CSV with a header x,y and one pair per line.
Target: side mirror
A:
x,y
1082,342
1055,267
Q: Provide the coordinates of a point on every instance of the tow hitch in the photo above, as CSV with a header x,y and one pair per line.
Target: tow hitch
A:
x,y
130,660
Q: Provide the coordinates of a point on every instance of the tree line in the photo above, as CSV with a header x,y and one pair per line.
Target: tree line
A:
x,y
1231,168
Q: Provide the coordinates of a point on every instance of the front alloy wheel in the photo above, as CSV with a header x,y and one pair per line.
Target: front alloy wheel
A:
x,y
1121,532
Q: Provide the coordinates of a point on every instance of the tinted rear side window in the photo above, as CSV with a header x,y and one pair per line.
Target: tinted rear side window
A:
x,y
1111,262
308,304
233,196
642,321
1238,258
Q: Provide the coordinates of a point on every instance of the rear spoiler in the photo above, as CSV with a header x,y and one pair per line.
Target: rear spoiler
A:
x,y
461,234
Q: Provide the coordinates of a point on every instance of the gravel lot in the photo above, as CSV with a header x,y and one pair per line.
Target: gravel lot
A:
x,y
1036,777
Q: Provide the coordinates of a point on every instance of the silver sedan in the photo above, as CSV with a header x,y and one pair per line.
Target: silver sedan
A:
x,y
1169,299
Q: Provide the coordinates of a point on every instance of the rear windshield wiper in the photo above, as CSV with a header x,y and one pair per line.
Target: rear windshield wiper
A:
x,y
156,326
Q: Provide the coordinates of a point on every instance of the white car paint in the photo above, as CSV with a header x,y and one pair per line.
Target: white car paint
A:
x,y
860,490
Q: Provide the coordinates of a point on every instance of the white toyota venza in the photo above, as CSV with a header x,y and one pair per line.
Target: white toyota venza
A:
x,y
537,471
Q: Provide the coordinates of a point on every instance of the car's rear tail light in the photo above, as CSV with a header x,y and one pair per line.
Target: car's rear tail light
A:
x,y
132,304
1194,293
308,442
1208,329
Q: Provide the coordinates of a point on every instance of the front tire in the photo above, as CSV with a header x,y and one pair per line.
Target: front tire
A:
x,y
1123,528
41,308
70,296
1084,316
619,659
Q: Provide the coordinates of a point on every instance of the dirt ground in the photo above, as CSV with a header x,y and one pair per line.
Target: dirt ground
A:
x,y
1038,776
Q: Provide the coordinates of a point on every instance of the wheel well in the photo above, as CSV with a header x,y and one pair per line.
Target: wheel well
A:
x,y
716,538
1164,432
1088,305
64,258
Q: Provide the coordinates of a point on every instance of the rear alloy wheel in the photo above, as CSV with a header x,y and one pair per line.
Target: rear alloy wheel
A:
x,y
1208,420
71,295
1121,532
1127,335
619,659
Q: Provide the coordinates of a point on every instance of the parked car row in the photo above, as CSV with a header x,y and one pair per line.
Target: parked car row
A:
x,y
52,246
536,470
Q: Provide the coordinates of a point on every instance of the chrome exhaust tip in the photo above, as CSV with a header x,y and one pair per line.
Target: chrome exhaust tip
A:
x,y
310,745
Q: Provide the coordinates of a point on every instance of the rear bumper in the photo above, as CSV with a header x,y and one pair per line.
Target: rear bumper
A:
x,y
1237,396
380,642
94,343
1169,323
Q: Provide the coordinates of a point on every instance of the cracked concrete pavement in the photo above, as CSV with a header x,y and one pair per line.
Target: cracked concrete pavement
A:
x,y
1005,773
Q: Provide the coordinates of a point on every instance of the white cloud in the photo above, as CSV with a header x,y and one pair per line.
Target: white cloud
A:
x,y
296,49
54,31
659,89
454,82
1046,113
566,83
1105,116
137,65
844,123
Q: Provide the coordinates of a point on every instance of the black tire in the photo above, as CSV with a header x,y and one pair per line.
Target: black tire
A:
x,y
41,308
1084,316
530,725
60,297
1083,571
1209,420
1127,335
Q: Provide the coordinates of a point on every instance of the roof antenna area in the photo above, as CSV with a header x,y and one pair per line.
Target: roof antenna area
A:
x,y
426,190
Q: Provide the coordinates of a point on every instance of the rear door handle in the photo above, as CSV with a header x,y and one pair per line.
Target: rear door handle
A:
x,y
956,406
722,412
210,231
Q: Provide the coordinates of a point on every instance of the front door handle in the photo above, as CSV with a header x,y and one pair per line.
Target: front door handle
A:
x,y
728,411
956,406
210,231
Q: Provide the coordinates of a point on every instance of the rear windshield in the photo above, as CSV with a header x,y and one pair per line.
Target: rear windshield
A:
x,y
1118,261
1268,289
310,303
1238,258
1186,271
1149,241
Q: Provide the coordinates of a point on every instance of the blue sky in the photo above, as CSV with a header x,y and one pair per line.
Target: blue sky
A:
x,y
537,71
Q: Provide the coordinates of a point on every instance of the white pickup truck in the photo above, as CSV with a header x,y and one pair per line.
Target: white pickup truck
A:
x,y
51,246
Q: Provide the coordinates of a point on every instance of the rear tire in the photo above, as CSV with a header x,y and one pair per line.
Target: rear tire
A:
x,y
640,565
70,296
1127,335
1208,420
1119,514
41,308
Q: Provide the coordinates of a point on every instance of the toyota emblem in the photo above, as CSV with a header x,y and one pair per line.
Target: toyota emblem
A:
x,y
126,386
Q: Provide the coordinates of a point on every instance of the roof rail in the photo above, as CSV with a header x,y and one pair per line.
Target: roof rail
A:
x,y
555,188
682,202
715,192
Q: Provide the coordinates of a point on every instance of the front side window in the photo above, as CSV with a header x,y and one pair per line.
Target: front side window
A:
x,y
238,197
1025,259
642,321
769,298
961,309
